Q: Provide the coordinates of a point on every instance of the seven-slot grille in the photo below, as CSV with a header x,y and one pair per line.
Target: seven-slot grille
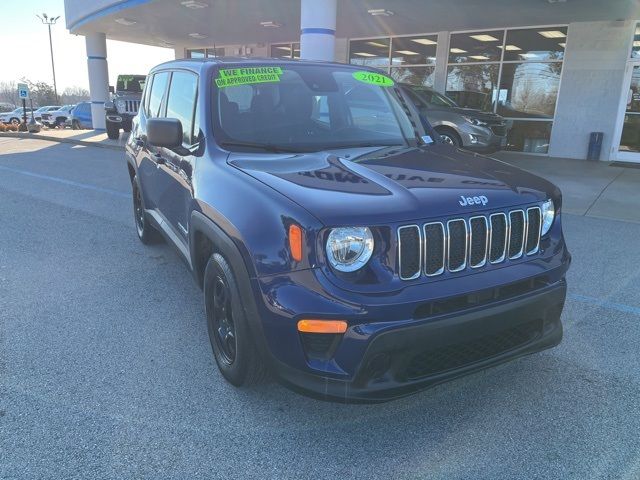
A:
x,y
472,242
131,106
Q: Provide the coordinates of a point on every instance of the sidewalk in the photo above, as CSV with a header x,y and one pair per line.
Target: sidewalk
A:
x,y
593,189
91,138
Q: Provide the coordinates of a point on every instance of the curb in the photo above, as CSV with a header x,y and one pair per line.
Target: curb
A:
x,y
73,141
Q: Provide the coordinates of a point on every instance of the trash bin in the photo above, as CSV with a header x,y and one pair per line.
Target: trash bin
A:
x,y
595,145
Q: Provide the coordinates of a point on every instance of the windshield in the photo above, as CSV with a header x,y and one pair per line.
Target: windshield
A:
x,y
308,108
433,98
131,83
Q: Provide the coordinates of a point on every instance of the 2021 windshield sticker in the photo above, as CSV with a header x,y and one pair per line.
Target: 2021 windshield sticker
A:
x,y
246,76
373,78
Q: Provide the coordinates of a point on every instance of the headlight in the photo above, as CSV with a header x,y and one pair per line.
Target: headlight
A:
x,y
475,121
548,214
349,248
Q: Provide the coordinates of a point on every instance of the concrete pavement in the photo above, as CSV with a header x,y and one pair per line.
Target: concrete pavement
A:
x,y
106,369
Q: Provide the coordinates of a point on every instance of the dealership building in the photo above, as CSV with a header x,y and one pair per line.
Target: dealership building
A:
x,y
557,70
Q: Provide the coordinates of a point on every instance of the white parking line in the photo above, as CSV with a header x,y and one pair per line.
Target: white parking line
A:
x,y
64,181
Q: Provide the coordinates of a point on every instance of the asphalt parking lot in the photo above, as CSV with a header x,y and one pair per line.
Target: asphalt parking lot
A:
x,y
106,369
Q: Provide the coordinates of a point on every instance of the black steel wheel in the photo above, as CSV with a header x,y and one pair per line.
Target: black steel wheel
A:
x,y
229,333
146,232
224,329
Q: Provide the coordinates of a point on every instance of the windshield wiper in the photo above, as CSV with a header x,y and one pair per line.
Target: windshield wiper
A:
x,y
267,147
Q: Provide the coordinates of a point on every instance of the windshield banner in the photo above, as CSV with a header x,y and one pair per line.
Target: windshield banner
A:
x,y
373,79
247,76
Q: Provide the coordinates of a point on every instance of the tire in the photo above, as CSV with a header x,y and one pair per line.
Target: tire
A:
x,y
146,232
450,137
229,333
126,127
75,125
113,130
15,121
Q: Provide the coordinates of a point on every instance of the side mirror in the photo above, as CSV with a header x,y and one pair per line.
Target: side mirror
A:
x,y
164,132
111,89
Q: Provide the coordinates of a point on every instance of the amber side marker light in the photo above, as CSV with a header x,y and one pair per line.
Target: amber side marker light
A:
x,y
322,326
295,242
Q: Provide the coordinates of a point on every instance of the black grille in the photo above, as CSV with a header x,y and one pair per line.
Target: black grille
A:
x,y
533,230
409,251
458,355
516,235
434,248
478,241
498,237
457,231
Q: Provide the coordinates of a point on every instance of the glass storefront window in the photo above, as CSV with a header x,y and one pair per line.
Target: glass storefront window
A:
x,y
535,44
196,53
473,86
374,53
285,50
413,75
529,136
418,50
635,50
215,52
476,47
529,90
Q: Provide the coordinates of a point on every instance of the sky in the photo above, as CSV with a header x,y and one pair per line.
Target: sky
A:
x,y
24,51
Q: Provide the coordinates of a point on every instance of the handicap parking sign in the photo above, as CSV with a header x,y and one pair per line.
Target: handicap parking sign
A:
x,y
23,91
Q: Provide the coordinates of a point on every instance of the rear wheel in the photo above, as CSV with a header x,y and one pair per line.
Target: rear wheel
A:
x,y
14,121
113,130
146,232
229,333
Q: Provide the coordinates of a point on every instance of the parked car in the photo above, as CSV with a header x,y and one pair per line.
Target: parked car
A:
x,y
462,127
56,118
356,260
15,116
124,104
37,114
7,107
80,117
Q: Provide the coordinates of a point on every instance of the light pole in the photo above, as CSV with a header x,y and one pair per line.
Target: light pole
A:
x,y
48,21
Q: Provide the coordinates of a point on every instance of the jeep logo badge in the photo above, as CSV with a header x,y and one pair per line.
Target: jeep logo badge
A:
x,y
466,201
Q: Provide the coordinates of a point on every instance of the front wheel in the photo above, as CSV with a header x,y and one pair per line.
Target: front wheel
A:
x,y
75,125
113,130
229,333
450,138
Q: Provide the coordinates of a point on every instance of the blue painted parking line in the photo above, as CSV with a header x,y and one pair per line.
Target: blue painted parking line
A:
x,y
64,181
620,307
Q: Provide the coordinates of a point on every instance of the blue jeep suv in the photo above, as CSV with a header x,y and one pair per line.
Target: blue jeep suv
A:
x,y
339,243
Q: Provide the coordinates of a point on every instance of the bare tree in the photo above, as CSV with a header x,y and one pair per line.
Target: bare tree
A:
x,y
9,93
72,95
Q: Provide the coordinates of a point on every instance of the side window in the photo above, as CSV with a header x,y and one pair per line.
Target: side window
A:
x,y
158,89
181,102
147,92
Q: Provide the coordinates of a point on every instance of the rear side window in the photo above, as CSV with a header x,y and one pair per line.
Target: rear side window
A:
x,y
158,89
181,102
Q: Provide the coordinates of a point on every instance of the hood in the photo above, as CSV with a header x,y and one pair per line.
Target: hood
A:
x,y
393,184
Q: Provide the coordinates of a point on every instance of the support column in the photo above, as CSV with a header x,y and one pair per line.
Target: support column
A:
x,y
442,57
318,29
98,77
